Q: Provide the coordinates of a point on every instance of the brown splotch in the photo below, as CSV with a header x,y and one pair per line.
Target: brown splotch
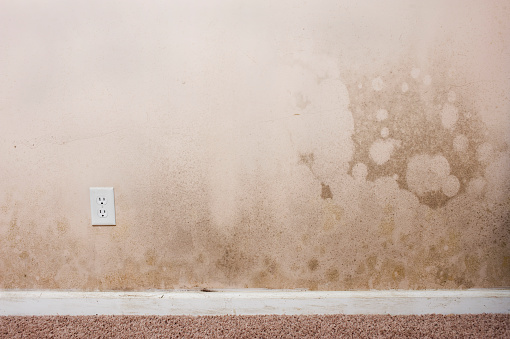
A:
x,y
233,262
150,257
307,159
387,225
414,120
326,191
313,264
333,215
62,226
332,275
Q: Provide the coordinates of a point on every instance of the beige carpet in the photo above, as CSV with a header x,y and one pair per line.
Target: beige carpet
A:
x,y
266,326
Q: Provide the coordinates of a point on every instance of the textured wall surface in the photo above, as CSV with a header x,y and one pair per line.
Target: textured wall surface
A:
x,y
282,144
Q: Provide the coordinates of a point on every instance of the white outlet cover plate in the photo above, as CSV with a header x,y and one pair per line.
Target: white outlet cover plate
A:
x,y
102,206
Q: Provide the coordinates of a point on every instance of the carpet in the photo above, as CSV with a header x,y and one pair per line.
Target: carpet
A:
x,y
261,326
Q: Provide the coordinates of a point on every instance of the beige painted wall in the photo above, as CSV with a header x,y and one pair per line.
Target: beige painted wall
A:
x,y
282,144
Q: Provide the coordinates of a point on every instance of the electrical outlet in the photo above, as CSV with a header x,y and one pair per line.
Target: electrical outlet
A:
x,y
102,206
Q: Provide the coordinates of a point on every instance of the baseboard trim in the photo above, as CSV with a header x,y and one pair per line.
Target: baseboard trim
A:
x,y
254,302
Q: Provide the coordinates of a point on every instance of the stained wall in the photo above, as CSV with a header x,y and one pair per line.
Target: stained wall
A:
x,y
329,145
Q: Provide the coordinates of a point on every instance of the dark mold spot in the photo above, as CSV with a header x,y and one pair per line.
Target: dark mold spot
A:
x,y
313,264
307,159
150,258
271,266
332,275
233,262
326,192
434,199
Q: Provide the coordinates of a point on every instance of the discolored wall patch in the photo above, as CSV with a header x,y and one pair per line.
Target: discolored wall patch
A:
x,y
327,146
415,128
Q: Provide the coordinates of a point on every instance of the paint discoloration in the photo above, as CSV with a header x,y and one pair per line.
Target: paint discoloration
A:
x,y
326,192
313,264
420,140
298,157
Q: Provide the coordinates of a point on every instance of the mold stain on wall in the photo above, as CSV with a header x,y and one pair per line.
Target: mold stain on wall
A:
x,y
418,208
423,173
378,178
414,127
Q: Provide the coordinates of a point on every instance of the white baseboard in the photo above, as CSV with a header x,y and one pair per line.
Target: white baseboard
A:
x,y
254,302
